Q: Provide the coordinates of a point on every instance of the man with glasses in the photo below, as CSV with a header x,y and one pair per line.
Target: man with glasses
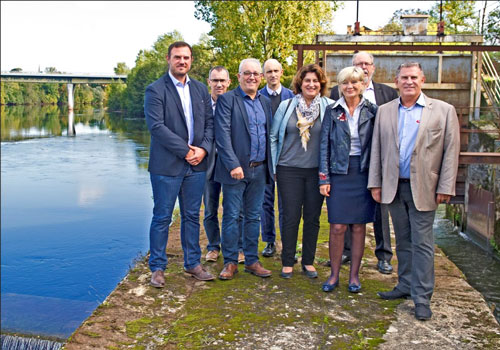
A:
x,y
378,94
276,93
242,123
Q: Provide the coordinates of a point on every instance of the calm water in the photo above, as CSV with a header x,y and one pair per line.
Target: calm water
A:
x,y
75,213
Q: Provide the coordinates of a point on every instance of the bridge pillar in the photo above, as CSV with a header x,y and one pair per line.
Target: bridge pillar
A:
x,y
70,97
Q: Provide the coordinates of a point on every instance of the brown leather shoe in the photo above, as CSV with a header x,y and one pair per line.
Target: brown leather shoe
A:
x,y
241,257
212,255
157,279
257,270
228,272
200,273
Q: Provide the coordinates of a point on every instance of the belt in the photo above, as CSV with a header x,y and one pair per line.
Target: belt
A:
x,y
254,164
402,180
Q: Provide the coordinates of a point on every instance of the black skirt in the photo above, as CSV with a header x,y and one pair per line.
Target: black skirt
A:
x,y
350,202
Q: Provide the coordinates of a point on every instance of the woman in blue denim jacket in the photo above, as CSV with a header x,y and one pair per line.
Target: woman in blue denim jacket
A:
x,y
346,136
295,143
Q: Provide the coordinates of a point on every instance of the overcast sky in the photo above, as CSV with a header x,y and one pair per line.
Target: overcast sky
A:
x,y
92,36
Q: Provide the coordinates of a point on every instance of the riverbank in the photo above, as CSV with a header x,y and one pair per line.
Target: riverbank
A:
x,y
253,313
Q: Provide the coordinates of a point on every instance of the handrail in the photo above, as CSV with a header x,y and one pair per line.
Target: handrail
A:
x,y
492,88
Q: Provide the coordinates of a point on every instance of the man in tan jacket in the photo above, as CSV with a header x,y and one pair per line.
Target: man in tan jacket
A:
x,y
413,168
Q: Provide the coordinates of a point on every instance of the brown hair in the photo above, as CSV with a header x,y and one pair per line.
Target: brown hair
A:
x,y
178,44
310,68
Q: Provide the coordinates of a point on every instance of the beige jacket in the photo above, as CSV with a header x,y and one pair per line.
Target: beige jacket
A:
x,y
434,161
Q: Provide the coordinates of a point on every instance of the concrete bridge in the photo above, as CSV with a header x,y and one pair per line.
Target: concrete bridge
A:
x,y
63,78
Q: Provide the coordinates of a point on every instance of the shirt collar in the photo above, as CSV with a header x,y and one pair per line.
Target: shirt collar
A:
x,y
420,102
270,91
370,86
343,104
244,94
177,82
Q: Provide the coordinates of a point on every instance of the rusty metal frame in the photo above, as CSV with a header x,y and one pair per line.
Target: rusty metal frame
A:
x,y
384,47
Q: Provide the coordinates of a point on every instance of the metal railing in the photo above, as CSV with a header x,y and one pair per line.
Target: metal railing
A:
x,y
490,82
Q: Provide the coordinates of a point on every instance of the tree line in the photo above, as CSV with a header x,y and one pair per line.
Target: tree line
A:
x,y
240,29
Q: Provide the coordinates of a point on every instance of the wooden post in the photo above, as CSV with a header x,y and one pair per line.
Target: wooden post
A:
x,y
300,56
477,107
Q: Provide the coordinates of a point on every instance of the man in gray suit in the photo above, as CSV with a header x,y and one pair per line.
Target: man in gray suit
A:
x,y
377,94
413,168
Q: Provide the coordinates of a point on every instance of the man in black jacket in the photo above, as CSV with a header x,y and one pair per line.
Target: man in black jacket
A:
x,y
378,94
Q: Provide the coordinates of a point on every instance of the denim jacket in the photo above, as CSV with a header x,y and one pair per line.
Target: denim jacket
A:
x,y
336,140
280,121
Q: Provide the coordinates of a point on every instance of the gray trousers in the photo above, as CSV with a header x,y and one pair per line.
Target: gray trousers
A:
x,y
414,246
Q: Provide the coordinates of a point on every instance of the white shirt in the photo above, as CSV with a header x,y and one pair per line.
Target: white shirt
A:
x,y
369,93
185,96
270,92
353,125
214,103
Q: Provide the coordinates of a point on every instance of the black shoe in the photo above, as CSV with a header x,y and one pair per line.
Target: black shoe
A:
x,y
345,259
393,294
286,275
310,274
269,250
384,267
423,312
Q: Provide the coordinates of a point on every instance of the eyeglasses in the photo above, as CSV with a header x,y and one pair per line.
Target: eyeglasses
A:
x,y
217,81
249,74
361,64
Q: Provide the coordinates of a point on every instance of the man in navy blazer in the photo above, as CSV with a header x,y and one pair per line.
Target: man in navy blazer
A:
x,y
378,94
179,117
243,167
276,93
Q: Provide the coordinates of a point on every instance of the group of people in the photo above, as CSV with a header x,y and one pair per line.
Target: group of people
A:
x,y
364,149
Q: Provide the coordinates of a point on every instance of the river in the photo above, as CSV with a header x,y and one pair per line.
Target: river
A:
x,y
75,213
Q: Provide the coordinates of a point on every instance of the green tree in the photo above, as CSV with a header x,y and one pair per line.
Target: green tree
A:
x,y
51,70
121,69
263,29
492,27
459,16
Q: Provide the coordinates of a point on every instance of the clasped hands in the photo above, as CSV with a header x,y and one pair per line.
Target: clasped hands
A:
x,y
195,155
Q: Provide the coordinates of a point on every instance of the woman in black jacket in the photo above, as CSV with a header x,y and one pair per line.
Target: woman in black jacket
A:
x,y
346,136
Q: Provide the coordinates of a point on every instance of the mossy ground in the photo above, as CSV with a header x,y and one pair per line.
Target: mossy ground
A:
x,y
249,312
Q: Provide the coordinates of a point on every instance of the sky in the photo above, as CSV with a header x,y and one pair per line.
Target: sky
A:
x,y
93,36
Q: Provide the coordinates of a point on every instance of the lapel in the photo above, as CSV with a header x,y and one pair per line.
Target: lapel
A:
x,y
241,105
173,92
266,109
378,93
363,114
342,125
426,114
393,114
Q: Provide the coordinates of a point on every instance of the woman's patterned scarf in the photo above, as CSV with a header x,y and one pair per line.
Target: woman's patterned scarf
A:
x,y
306,116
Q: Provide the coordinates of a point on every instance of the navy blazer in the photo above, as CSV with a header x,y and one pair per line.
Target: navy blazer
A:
x,y
232,136
383,93
285,93
167,125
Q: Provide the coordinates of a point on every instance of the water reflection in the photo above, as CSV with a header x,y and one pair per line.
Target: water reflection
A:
x,y
75,213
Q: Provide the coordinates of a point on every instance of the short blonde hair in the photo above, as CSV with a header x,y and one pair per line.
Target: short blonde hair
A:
x,y
351,73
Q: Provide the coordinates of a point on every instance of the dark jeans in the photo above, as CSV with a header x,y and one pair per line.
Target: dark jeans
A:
x,y
248,194
188,187
267,226
211,219
300,196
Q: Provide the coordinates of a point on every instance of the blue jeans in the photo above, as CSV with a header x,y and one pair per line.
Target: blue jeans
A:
x,y
188,187
267,227
247,194
211,220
